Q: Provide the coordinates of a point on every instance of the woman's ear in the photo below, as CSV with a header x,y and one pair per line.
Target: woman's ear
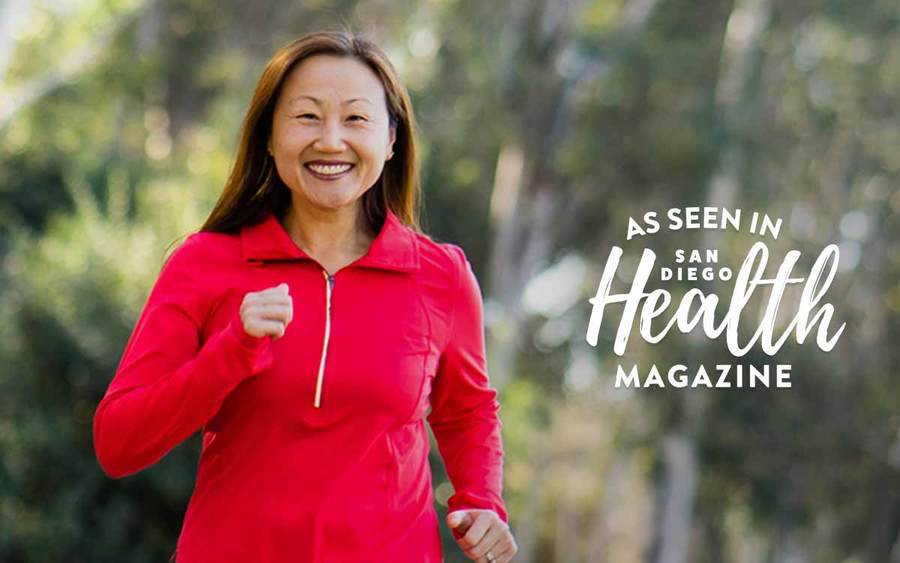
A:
x,y
393,133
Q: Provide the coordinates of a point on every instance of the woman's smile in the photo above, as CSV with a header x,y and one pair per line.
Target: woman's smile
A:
x,y
328,170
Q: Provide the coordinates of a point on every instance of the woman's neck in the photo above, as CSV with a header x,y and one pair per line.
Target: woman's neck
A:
x,y
329,236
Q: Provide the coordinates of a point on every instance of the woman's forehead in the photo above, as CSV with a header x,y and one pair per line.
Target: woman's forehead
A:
x,y
333,80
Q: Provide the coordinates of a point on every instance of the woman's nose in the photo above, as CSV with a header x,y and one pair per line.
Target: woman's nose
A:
x,y
331,136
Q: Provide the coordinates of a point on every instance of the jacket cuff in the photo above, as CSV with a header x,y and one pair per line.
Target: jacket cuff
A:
x,y
258,351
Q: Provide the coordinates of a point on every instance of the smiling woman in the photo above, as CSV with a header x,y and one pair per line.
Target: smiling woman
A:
x,y
315,447
331,131
335,98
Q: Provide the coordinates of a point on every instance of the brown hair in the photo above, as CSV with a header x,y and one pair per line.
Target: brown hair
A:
x,y
254,187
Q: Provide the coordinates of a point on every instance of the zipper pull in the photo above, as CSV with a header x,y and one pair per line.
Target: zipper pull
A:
x,y
330,279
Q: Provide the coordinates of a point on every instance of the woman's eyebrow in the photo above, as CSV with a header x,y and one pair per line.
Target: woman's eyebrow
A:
x,y
319,102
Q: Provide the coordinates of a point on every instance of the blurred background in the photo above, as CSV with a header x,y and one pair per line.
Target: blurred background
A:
x,y
545,125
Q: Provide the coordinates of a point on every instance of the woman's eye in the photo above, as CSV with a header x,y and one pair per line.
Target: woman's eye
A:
x,y
356,118
307,116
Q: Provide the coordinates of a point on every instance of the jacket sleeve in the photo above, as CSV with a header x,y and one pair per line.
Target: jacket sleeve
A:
x,y
464,408
169,384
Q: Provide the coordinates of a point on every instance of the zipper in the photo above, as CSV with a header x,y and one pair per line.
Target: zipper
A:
x,y
329,286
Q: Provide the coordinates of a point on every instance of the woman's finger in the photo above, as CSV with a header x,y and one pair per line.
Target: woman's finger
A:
x,y
505,554
505,548
274,328
281,288
480,525
491,542
273,312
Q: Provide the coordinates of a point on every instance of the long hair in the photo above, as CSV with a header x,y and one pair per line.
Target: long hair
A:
x,y
254,186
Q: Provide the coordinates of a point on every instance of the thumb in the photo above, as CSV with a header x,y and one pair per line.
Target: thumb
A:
x,y
460,519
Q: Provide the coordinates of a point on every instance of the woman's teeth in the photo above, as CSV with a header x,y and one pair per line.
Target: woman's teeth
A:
x,y
329,169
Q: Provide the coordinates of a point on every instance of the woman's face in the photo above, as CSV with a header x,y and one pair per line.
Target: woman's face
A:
x,y
331,133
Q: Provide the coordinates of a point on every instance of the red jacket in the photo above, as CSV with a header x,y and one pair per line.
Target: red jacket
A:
x,y
314,445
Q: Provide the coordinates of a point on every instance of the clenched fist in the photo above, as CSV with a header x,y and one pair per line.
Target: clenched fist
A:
x,y
267,312
485,537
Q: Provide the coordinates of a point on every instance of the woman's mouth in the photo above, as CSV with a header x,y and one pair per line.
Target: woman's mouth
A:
x,y
331,171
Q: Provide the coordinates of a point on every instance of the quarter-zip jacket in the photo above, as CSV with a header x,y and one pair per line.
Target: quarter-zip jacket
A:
x,y
314,444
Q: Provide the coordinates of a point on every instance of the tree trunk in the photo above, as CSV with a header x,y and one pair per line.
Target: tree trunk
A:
x,y
675,500
526,530
612,499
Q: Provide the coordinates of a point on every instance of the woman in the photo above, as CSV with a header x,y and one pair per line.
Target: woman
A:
x,y
314,442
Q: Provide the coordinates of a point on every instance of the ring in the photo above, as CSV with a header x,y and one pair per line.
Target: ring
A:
x,y
490,557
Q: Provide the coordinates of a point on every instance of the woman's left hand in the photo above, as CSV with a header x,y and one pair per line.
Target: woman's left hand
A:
x,y
485,537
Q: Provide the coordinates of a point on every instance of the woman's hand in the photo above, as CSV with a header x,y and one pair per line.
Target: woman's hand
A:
x,y
486,538
267,312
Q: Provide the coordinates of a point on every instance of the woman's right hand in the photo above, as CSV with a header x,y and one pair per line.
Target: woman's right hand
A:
x,y
267,312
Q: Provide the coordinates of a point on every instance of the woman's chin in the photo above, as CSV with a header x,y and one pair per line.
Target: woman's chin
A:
x,y
335,200
330,196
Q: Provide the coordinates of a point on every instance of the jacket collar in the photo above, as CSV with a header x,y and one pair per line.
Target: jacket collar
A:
x,y
394,247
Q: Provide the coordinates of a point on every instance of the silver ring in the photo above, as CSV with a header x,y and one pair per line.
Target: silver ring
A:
x,y
490,557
